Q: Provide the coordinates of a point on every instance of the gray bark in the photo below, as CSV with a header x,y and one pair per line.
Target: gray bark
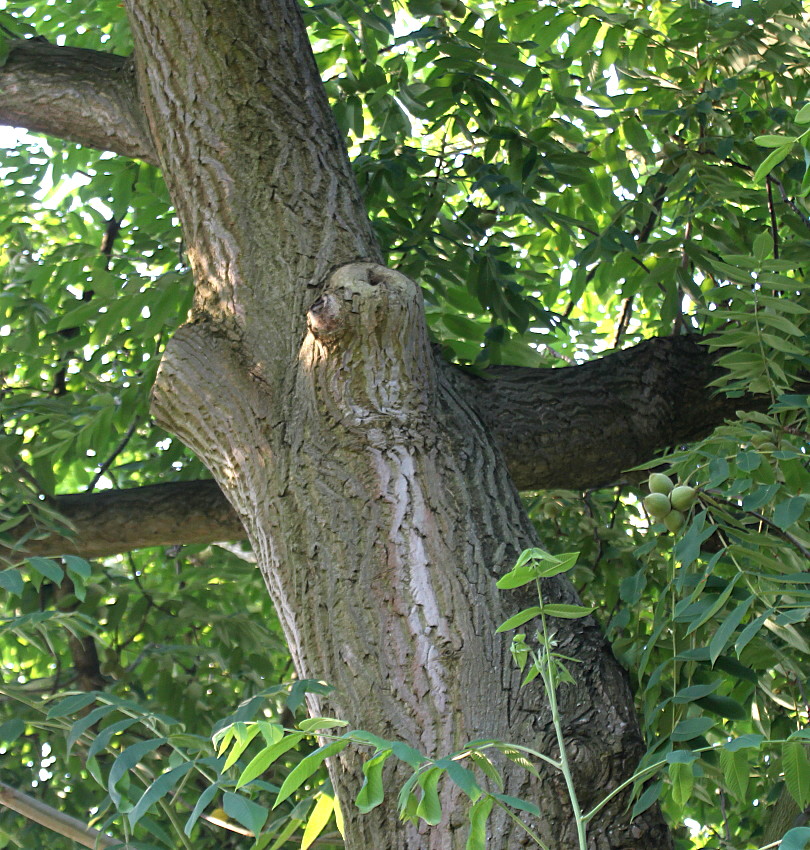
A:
x,y
572,428
83,96
376,499
379,509
380,535
113,521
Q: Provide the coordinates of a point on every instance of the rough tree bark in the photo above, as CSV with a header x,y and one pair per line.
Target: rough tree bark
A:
x,y
375,501
577,427
373,492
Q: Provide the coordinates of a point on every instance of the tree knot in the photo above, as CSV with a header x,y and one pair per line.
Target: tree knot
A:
x,y
367,354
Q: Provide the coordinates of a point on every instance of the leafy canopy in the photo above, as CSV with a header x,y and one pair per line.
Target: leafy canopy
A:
x,y
562,178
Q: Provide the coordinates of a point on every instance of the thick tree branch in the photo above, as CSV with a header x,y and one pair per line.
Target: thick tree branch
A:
x,y
84,96
579,427
570,428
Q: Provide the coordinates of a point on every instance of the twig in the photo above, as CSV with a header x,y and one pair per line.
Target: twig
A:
x,y
789,538
624,321
774,230
117,451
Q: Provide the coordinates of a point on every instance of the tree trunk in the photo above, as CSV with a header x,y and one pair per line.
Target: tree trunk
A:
x,y
378,506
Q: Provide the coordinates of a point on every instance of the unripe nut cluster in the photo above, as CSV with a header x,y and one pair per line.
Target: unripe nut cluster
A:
x,y
667,502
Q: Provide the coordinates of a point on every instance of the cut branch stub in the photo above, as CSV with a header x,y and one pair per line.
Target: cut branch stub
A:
x,y
366,357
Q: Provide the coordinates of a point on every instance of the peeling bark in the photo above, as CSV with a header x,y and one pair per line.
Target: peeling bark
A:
x,y
83,96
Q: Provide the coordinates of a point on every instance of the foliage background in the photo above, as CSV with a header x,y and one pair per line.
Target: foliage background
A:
x,y
563,179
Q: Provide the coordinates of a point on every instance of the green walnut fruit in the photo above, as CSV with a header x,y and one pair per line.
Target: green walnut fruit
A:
x,y
674,521
660,483
683,497
657,505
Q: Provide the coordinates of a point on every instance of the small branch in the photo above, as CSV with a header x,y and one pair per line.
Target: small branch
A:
x,y
624,321
117,451
789,201
774,228
45,815
111,232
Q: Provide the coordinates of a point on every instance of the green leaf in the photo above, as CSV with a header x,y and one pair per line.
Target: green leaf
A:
x,y
724,707
11,730
251,815
372,792
518,577
767,141
682,757
461,776
567,612
803,115
86,722
519,619
771,161
682,779
314,724
158,789
407,754
727,628
306,767
789,511
748,741
285,834
648,797
262,760
564,564
48,569
107,734
78,317
479,814
797,772
734,764
71,704
130,757
795,839
693,692
750,631
517,803
430,808
487,768
318,819
202,801
243,734
692,727
78,566
12,582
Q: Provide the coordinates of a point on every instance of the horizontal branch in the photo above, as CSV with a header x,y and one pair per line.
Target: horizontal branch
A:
x,y
113,521
45,815
570,428
580,427
83,96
